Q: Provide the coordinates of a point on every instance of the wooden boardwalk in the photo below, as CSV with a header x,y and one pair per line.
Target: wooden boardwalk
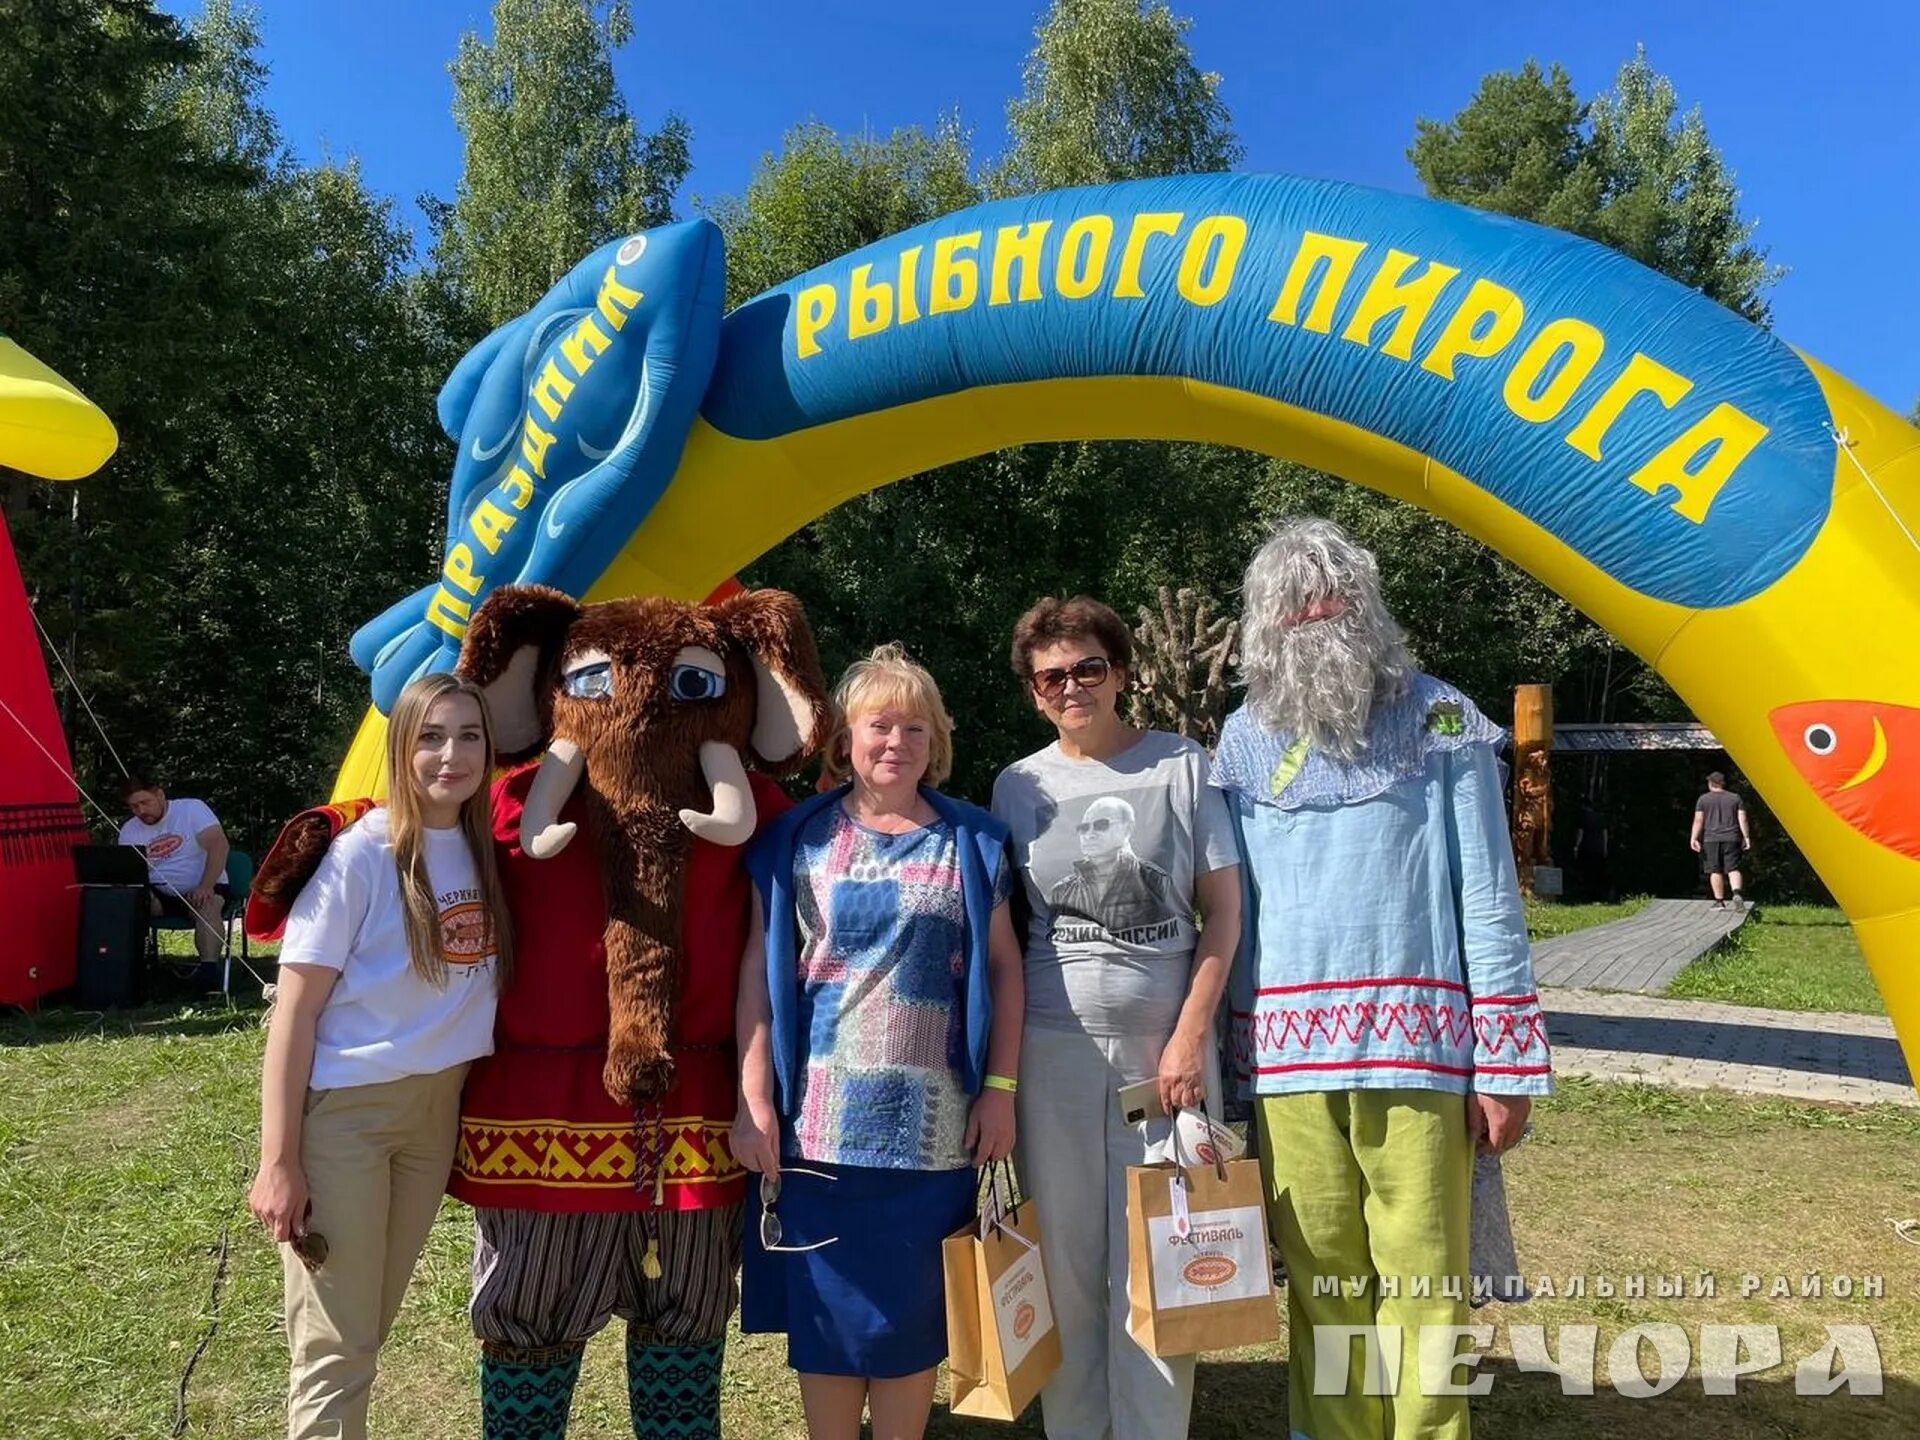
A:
x,y
1642,952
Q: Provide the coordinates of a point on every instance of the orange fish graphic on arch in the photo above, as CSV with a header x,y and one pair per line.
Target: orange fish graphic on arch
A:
x,y
1863,758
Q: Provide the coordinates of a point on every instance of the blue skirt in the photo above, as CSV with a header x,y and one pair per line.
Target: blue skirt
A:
x,y
873,1303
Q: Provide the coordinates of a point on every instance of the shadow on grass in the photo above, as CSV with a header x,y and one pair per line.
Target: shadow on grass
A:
x,y
59,1024
1246,1400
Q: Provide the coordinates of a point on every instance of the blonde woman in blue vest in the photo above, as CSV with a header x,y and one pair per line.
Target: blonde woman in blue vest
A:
x,y
880,1006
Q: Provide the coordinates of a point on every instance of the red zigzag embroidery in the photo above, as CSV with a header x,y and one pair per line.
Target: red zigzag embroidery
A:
x,y
1416,1023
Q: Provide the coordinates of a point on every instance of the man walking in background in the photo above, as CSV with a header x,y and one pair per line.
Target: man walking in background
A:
x,y
1720,837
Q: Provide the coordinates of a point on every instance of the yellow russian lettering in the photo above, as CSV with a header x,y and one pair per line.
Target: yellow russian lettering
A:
x,y
1641,377
955,278
869,305
517,487
1213,247
1724,438
1017,245
1524,394
1494,304
586,337
459,569
616,301
551,390
1146,225
909,282
534,444
491,524
1388,293
449,612
1083,256
815,308
1339,256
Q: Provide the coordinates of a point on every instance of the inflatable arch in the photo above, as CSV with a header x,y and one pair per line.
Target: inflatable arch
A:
x,y
1741,517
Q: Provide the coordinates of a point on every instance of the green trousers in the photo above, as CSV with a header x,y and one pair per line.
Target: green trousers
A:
x,y
1366,1186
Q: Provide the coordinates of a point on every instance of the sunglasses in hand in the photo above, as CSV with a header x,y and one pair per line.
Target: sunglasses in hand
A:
x,y
1089,674
770,1231
310,1246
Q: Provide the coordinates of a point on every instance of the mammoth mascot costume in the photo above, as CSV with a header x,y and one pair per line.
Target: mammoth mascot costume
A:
x,y
593,1141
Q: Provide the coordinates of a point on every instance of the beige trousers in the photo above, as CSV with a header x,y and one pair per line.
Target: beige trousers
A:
x,y
376,1159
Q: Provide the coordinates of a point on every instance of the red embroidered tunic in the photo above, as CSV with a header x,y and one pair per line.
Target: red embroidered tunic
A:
x,y
538,1130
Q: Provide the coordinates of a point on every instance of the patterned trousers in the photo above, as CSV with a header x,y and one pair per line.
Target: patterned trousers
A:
x,y
541,1280
544,1284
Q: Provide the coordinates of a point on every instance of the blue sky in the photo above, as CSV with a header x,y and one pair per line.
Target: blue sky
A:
x,y
1810,102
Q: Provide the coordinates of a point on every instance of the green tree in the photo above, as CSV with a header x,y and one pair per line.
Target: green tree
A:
x,y
824,195
1111,92
554,161
256,333
1627,170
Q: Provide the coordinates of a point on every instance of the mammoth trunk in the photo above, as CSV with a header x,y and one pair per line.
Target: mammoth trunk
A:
x,y
645,859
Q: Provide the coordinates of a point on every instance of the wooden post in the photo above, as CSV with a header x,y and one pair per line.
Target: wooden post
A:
x,y
1532,780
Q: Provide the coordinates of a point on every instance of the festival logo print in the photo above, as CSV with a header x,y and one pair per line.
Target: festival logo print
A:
x,y
1102,889
466,934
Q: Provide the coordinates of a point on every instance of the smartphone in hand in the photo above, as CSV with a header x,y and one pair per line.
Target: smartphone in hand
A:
x,y
1141,1101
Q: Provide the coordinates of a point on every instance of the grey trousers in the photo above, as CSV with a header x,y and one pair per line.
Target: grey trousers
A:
x,y
1073,1152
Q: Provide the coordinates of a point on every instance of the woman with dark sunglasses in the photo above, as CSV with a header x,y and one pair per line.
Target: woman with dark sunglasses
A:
x,y
879,1031
1119,840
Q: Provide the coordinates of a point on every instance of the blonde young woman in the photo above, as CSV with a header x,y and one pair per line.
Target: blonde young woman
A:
x,y
394,952
879,1030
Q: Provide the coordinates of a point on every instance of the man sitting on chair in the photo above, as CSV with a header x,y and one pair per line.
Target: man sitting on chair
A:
x,y
186,861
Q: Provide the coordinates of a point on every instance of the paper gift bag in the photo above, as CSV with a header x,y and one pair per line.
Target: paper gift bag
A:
x,y
1198,1274
1002,1345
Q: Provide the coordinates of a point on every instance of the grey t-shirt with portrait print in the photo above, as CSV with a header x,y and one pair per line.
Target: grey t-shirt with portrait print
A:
x,y
1108,851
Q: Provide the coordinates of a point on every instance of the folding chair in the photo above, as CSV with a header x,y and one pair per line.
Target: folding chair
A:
x,y
239,881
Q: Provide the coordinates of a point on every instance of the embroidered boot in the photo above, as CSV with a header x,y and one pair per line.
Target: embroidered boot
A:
x,y
673,1391
527,1394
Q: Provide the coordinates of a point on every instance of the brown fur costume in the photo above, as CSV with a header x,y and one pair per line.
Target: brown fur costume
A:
x,y
642,767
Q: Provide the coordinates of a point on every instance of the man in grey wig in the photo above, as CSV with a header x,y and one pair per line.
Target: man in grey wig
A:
x,y
1384,1014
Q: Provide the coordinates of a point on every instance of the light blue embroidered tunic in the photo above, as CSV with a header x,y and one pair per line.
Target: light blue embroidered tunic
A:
x,y
1385,946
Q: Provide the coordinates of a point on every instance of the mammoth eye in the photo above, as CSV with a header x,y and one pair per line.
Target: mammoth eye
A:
x,y
696,682
590,682
1821,739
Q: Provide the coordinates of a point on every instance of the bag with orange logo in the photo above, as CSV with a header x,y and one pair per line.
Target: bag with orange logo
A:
x,y
1198,1272
1002,1345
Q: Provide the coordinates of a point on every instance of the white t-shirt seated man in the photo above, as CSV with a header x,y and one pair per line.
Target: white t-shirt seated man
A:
x,y
186,858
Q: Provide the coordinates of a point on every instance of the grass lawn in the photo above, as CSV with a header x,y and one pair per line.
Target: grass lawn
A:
x,y
1547,918
1787,957
126,1144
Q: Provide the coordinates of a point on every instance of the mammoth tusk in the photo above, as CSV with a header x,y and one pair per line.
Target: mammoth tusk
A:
x,y
732,818
541,834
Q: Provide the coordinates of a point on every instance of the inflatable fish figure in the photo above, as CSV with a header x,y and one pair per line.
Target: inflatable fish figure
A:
x,y
1863,758
570,422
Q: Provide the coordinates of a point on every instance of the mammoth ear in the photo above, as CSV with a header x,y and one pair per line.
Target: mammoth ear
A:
x,y
511,647
792,713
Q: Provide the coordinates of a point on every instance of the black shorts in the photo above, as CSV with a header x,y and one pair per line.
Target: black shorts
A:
x,y
1720,857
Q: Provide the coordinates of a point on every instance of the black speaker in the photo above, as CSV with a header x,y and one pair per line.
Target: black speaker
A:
x,y
113,937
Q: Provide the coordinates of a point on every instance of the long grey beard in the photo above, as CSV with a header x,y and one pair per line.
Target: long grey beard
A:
x,y
1330,674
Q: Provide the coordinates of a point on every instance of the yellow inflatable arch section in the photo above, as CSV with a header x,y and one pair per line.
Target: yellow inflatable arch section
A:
x,y
1738,515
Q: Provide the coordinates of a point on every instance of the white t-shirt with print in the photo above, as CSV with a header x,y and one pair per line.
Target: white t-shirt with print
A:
x,y
175,856
382,1021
